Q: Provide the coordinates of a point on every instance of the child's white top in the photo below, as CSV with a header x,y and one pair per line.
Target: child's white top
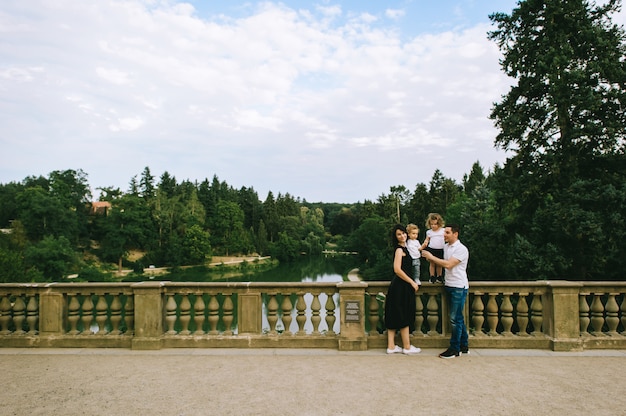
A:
x,y
413,247
436,238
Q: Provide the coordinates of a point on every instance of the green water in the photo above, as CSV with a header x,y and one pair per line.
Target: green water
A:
x,y
307,269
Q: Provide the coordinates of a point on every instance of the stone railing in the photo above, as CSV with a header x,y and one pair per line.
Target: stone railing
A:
x,y
557,315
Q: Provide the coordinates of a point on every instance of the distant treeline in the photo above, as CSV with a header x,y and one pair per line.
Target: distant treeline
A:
x,y
556,209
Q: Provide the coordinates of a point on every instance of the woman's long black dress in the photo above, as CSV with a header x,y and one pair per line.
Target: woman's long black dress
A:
x,y
400,301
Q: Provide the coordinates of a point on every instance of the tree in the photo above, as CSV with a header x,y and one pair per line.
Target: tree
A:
x,y
442,192
128,226
8,203
418,207
568,60
71,189
344,223
146,184
196,245
474,180
43,214
227,228
270,217
285,248
54,257
565,120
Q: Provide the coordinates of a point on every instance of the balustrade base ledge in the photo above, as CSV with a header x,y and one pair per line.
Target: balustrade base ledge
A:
x,y
321,341
358,344
567,345
250,341
66,341
604,342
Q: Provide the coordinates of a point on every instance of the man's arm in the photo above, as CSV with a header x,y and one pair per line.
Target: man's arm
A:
x,y
448,264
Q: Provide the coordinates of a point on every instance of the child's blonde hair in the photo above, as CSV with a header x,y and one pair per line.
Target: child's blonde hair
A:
x,y
411,227
433,216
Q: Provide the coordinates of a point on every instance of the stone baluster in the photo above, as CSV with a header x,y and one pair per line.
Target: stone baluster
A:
x,y
32,315
5,315
73,314
19,315
185,314
101,313
228,308
214,315
536,315
129,314
373,315
478,314
272,313
583,313
612,314
87,315
433,314
492,315
286,308
623,312
300,317
522,315
507,314
116,314
170,315
419,316
316,319
330,313
597,314
198,314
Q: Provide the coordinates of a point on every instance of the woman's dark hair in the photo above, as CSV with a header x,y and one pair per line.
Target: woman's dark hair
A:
x,y
394,240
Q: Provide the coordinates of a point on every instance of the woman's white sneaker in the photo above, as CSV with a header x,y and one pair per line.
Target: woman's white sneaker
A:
x,y
411,351
395,350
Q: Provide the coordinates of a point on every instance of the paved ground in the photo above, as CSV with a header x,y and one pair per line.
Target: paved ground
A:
x,y
309,382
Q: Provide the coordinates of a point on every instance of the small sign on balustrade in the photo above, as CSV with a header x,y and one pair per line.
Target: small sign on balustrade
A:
x,y
353,311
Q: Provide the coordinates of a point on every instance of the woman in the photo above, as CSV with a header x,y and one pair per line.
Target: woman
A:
x,y
400,300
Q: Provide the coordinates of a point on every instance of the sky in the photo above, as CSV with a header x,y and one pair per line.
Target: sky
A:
x,y
328,101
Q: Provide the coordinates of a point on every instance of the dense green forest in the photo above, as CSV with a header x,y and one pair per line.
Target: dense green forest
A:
x,y
556,209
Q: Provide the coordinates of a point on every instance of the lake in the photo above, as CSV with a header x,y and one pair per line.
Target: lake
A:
x,y
307,269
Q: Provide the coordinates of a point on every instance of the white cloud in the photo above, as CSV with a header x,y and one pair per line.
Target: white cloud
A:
x,y
394,13
242,98
113,76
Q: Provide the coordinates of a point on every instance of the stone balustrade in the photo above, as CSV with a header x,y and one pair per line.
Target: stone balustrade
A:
x,y
557,315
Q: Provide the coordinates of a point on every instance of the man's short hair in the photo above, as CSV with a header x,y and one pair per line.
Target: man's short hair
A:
x,y
454,228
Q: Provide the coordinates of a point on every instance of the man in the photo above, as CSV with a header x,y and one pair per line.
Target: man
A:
x,y
454,260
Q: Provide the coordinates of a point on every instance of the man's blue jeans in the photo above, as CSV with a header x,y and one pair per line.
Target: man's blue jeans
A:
x,y
457,298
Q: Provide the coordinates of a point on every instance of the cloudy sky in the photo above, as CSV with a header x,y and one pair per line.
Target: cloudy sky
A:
x,y
332,101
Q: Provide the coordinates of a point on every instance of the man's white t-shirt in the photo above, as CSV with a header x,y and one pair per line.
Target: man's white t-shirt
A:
x,y
457,276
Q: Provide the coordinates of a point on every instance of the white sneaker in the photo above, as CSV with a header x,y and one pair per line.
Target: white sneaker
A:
x,y
395,350
411,351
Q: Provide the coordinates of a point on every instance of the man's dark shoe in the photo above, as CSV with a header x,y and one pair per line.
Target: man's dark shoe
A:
x,y
449,354
464,350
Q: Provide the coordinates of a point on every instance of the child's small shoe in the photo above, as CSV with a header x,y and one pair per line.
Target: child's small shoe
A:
x,y
432,279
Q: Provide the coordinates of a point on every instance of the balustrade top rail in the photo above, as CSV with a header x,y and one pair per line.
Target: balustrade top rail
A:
x,y
559,315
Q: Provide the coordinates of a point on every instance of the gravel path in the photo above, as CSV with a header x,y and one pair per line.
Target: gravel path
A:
x,y
309,382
